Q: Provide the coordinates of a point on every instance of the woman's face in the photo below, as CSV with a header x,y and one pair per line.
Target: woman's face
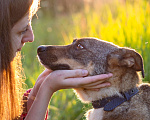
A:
x,y
21,33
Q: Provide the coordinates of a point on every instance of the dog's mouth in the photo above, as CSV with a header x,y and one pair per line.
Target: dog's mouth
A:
x,y
53,66
59,67
56,66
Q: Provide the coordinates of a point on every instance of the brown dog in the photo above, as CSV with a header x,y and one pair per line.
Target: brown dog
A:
x,y
126,98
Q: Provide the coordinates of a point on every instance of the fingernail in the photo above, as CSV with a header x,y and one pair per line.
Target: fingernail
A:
x,y
108,84
84,72
110,74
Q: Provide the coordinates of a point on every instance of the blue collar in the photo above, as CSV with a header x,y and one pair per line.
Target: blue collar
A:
x,y
111,103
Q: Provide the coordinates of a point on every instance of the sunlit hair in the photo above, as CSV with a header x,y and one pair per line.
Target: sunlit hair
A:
x,y
11,80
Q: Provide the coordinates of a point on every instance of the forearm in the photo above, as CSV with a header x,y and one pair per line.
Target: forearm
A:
x,y
39,106
31,98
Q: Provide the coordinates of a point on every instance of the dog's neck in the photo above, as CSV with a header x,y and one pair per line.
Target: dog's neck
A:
x,y
111,103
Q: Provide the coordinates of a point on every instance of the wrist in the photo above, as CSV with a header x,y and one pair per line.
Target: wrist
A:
x,y
34,91
47,87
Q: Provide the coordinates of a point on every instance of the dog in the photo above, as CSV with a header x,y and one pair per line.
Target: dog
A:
x,y
126,99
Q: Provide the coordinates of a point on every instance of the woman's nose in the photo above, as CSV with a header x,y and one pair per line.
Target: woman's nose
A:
x,y
28,36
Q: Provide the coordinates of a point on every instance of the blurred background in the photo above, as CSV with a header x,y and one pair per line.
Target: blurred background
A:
x,y
123,22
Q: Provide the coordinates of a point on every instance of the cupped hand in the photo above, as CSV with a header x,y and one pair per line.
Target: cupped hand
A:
x,y
36,87
39,81
65,79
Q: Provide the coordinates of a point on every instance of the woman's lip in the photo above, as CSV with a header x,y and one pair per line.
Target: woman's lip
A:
x,y
19,49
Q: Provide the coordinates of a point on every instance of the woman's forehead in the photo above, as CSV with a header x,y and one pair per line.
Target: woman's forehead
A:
x,y
25,19
22,22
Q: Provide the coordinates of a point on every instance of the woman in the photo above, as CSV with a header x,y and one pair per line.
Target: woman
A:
x,y
15,31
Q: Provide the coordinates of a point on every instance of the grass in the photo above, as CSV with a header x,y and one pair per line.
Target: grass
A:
x,y
125,24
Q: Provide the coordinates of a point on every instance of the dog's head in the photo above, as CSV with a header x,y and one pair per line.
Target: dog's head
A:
x,y
98,57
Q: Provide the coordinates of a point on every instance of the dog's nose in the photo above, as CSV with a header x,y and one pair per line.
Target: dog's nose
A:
x,y
41,49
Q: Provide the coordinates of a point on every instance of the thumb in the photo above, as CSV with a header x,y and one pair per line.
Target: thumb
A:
x,y
45,73
71,73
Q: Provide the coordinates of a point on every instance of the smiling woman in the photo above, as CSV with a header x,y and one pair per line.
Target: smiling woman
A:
x,y
13,29
21,33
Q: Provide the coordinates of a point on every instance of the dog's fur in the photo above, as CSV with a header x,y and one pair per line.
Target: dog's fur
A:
x,y
99,57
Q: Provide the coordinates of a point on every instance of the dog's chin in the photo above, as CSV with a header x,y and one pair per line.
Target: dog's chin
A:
x,y
58,67
87,96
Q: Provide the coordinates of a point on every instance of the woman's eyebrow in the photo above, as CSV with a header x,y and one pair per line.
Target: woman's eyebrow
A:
x,y
29,22
25,26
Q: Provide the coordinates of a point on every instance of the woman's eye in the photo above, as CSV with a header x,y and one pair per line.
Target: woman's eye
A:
x,y
24,31
79,46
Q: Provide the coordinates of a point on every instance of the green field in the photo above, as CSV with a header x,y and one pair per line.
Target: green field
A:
x,y
123,23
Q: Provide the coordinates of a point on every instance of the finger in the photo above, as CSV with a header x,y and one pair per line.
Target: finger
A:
x,y
86,81
45,73
71,73
107,84
93,79
95,83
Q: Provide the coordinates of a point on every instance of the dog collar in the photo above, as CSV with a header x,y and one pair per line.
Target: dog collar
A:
x,y
111,103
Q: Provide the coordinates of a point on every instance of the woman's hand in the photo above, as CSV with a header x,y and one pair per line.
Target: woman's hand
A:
x,y
65,79
49,82
36,87
39,81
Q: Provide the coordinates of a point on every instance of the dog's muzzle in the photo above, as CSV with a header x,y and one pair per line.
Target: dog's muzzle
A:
x,y
41,49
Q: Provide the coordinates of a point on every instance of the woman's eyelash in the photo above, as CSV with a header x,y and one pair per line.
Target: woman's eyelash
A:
x,y
24,31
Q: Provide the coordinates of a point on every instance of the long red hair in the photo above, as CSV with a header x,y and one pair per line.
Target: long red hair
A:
x,y
11,11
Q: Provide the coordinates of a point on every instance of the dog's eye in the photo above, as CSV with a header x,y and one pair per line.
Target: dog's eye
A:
x,y
79,46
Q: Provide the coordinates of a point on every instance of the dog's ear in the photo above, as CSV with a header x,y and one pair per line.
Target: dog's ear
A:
x,y
127,58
